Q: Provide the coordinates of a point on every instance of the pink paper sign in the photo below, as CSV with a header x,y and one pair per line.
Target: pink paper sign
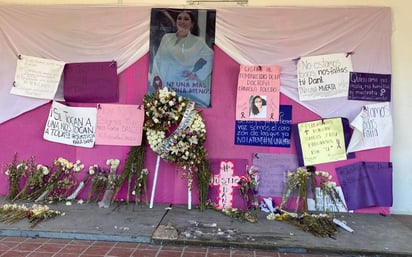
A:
x,y
258,93
119,124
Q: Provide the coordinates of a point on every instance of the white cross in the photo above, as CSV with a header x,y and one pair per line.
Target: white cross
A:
x,y
226,182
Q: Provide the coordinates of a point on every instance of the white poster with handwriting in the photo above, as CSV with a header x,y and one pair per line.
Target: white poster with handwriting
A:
x,y
325,204
323,76
71,125
372,128
37,77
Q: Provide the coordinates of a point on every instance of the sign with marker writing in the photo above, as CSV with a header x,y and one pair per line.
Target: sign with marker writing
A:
x,y
224,183
372,128
37,77
323,76
119,124
71,125
322,141
258,93
266,133
369,87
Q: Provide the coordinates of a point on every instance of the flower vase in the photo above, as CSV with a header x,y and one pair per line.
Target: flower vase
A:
x,y
107,197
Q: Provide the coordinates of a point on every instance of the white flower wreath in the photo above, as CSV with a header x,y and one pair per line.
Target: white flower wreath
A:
x,y
174,129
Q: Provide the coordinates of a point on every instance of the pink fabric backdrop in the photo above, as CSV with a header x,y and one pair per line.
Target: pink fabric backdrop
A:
x,y
24,134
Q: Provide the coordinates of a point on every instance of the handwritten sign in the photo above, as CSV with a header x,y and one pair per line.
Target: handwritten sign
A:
x,y
224,183
273,170
370,87
322,141
71,125
119,124
258,93
366,184
325,203
37,77
323,76
91,82
266,133
372,128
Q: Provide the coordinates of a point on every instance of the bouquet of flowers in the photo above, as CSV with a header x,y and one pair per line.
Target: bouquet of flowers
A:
x,y
328,188
133,168
36,179
299,181
248,186
61,181
112,180
99,181
15,171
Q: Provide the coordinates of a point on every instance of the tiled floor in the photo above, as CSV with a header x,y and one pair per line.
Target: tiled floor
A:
x,y
45,247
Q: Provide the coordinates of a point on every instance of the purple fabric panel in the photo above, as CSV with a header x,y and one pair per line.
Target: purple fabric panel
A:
x,y
91,82
366,184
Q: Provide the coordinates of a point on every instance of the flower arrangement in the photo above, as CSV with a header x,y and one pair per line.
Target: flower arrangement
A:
x,y
12,213
61,181
166,112
111,183
140,187
15,171
248,186
299,181
328,188
98,183
39,213
133,169
302,180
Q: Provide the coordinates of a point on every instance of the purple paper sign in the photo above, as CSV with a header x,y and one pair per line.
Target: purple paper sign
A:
x,y
272,170
91,82
369,87
366,184
224,187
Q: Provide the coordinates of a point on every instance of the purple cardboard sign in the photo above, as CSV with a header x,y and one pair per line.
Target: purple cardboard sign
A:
x,y
91,82
273,169
369,87
224,187
366,184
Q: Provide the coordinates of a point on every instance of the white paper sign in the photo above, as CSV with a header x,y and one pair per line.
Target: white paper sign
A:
x,y
372,128
326,204
37,77
323,76
71,125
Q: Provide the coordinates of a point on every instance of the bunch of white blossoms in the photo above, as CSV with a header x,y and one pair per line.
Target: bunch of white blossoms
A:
x,y
323,174
113,163
43,169
155,138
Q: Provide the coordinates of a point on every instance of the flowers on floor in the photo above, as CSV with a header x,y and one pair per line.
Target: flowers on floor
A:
x,y
298,185
176,132
12,213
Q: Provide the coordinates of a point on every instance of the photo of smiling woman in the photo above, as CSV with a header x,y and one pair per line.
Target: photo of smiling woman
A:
x,y
181,55
258,106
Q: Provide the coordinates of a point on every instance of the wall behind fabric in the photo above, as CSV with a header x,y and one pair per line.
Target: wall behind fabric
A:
x,y
401,95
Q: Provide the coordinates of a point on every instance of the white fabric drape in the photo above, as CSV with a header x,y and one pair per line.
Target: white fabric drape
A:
x,y
266,36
